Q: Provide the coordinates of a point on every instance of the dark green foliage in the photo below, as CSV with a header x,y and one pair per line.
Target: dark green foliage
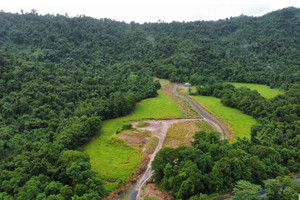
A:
x,y
282,188
244,190
58,80
126,126
60,76
211,165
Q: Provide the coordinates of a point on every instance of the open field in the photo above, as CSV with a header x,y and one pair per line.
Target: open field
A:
x,y
238,121
182,133
264,90
110,156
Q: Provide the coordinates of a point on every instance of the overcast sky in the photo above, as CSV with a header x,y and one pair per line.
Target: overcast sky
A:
x,y
150,10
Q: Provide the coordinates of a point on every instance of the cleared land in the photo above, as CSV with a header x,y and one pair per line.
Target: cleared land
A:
x,y
264,90
238,121
182,133
151,144
111,157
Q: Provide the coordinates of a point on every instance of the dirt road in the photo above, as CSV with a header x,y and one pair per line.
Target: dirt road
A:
x,y
201,112
158,128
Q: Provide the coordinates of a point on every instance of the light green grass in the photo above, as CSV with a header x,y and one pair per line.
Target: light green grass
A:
x,y
264,90
238,121
117,161
151,144
162,81
142,124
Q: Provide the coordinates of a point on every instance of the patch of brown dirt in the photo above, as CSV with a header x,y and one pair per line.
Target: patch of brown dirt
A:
x,y
153,192
135,138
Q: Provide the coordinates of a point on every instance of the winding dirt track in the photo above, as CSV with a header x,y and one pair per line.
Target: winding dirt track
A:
x,y
160,128
206,116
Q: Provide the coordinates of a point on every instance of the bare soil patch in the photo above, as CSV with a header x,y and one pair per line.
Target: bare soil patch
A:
x,y
153,192
135,137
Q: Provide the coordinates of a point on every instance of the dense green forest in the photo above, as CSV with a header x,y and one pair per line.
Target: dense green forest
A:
x,y
61,76
211,165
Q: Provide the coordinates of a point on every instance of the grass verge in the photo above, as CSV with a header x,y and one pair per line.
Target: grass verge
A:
x,y
264,90
115,161
239,122
151,145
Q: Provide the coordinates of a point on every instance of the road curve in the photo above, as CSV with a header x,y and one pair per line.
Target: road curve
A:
x,y
201,112
148,173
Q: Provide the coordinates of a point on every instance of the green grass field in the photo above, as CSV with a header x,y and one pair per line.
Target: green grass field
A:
x,y
238,121
264,90
112,159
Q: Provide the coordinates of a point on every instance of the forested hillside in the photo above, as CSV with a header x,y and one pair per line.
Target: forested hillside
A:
x,y
61,76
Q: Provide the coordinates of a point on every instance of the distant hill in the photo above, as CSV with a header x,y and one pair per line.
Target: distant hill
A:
x,y
60,76
242,49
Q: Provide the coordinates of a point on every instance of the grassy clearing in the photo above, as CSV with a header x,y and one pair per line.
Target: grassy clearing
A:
x,y
182,133
238,121
264,90
151,145
142,124
115,161
162,81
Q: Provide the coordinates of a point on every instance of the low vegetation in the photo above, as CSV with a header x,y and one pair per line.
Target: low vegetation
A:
x,y
239,122
263,90
204,126
183,104
182,133
142,124
115,162
151,145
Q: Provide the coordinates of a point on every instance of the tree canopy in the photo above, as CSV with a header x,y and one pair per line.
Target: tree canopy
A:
x,y
60,77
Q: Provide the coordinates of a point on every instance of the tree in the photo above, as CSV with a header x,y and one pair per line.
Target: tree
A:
x,y
245,190
282,187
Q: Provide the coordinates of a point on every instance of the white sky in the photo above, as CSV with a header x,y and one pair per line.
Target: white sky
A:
x,y
150,10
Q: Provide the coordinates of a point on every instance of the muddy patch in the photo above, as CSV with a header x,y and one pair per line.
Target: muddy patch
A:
x,y
135,137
